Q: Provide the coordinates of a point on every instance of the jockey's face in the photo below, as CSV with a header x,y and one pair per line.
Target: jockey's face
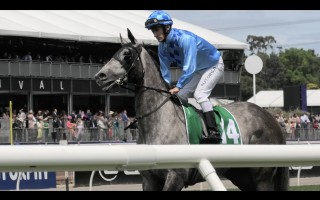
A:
x,y
158,32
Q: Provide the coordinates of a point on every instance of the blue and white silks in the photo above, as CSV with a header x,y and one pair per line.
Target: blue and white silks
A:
x,y
188,51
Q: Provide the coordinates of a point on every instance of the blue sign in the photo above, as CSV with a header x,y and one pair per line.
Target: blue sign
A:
x,y
29,180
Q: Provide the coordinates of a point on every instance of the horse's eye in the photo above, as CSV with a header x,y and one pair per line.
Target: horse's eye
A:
x,y
127,56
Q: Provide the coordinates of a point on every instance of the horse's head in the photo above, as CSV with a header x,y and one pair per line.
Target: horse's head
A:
x,y
120,63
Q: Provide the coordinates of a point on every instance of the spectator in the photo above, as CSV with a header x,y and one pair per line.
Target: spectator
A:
x,y
22,115
9,57
49,58
93,129
39,126
116,130
305,124
28,57
55,126
102,126
16,129
39,116
91,60
61,128
297,121
45,129
54,113
83,116
73,114
31,120
15,142
81,59
88,114
79,114
124,118
45,114
288,129
79,127
39,58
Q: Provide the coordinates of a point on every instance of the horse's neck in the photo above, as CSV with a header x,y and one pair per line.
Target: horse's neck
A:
x,y
153,79
146,101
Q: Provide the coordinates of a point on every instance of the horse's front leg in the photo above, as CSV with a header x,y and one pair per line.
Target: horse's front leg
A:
x,y
175,180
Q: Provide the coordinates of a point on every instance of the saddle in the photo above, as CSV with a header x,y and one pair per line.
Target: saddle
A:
x,y
179,101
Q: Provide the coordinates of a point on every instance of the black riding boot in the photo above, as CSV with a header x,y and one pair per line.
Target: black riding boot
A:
x,y
214,136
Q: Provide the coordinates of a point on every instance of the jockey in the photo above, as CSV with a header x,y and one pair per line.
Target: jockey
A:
x,y
201,62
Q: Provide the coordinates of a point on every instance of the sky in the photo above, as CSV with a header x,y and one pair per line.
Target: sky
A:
x,y
284,34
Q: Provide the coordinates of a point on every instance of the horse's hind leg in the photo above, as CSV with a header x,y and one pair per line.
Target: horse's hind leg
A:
x,y
264,178
241,177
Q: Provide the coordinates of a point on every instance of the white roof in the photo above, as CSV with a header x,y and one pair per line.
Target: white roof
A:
x,y
275,98
98,26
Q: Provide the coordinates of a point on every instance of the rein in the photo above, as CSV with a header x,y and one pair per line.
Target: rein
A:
x,y
120,82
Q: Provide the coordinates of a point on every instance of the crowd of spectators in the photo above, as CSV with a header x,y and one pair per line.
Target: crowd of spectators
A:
x,y
78,58
75,123
295,122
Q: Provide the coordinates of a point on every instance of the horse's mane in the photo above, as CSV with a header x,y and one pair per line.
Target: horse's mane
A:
x,y
146,47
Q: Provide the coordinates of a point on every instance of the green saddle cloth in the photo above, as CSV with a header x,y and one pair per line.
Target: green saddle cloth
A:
x,y
229,130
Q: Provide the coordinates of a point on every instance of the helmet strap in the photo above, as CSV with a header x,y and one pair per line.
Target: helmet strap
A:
x,y
166,33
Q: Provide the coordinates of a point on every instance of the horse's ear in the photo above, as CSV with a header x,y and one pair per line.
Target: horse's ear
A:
x,y
131,37
123,41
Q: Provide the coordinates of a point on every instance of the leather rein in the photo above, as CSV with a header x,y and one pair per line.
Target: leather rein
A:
x,y
120,82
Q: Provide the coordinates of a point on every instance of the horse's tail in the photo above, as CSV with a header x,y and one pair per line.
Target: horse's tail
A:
x,y
282,179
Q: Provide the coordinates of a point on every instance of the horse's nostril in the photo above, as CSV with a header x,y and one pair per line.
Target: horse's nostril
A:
x,y
102,76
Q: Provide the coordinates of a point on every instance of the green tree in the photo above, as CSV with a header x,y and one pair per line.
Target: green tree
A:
x,y
258,43
301,66
274,72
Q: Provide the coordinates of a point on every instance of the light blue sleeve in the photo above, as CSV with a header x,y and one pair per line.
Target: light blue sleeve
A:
x,y
164,67
189,48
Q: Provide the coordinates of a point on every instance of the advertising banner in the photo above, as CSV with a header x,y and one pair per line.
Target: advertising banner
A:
x,y
29,180
107,178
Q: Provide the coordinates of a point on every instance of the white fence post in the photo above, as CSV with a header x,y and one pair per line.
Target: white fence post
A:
x,y
209,173
91,180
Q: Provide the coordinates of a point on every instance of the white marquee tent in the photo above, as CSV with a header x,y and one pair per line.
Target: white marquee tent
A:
x,y
275,98
98,26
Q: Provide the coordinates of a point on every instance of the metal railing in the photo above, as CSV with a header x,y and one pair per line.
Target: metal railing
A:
x,y
309,134
50,135
78,70
49,69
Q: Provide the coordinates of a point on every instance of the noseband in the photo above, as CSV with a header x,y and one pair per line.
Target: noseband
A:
x,y
136,54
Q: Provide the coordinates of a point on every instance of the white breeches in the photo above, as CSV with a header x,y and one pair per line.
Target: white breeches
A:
x,y
202,83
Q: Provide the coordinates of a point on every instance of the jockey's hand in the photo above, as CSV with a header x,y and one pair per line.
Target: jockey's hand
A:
x,y
174,90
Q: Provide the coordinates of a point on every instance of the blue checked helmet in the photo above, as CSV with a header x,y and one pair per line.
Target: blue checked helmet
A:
x,y
158,17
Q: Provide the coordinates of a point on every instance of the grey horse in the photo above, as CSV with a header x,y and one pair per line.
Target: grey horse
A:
x,y
167,124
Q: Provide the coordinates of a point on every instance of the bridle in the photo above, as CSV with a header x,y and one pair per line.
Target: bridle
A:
x,y
120,82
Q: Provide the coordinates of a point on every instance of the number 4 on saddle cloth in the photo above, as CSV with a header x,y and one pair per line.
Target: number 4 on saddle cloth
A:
x,y
196,128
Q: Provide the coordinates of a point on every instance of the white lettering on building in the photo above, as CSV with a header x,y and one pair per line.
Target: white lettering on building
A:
x,y
41,85
21,84
60,85
25,175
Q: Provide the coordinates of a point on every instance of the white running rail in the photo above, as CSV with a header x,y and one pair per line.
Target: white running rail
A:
x,y
144,157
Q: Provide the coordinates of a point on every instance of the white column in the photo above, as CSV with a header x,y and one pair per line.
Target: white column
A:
x,y
209,174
